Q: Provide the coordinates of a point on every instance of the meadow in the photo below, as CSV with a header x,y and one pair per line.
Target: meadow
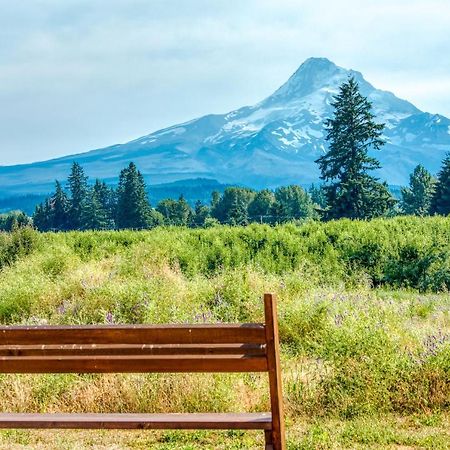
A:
x,y
363,314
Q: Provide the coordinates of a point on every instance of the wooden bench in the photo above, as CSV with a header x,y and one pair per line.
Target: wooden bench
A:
x,y
149,348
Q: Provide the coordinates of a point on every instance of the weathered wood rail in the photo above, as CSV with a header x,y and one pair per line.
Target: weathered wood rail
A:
x,y
150,348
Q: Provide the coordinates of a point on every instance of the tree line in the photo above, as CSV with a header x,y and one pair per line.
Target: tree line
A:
x,y
101,207
348,188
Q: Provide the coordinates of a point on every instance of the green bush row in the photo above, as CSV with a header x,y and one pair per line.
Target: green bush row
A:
x,y
400,252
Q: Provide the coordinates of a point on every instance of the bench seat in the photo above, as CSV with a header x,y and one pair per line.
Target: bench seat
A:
x,y
174,421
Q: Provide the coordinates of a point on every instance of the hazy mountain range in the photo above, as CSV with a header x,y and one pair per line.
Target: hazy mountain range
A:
x,y
271,143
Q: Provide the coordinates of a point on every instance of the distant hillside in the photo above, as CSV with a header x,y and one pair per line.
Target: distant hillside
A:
x,y
191,189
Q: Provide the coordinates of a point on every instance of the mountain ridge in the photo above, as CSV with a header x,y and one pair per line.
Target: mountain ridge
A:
x,y
273,142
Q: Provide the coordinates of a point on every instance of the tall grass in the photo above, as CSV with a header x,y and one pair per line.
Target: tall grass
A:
x,y
363,311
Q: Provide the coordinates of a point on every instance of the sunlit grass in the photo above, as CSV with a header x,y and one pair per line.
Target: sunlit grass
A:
x,y
366,359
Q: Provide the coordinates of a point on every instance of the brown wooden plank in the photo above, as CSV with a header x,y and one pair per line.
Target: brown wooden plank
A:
x,y
130,349
216,421
273,360
134,334
132,364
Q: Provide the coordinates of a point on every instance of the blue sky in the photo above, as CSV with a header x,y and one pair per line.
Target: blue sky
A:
x,y
78,75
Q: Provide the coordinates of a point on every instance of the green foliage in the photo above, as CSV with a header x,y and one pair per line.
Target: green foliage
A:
x,y
102,208
292,203
78,188
133,207
60,207
349,352
98,210
232,206
262,206
416,199
21,242
318,195
441,198
200,215
13,220
175,212
352,132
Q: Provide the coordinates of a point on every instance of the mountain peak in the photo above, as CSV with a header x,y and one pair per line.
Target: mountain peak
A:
x,y
313,74
316,63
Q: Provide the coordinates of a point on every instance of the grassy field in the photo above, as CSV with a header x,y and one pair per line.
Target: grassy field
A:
x,y
364,323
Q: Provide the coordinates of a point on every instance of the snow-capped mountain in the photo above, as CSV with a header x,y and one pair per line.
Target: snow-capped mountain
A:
x,y
273,142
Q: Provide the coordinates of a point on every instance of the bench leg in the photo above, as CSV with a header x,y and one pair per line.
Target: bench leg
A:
x,y
278,440
268,440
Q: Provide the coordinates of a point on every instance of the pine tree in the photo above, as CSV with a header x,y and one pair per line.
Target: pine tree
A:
x,y
318,196
59,213
352,131
237,214
106,199
38,217
441,199
417,197
133,207
95,213
78,188
42,217
183,211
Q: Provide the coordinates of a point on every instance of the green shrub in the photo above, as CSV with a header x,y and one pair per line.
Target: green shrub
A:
x,y
20,242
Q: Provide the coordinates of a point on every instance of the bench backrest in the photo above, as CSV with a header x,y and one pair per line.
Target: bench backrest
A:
x,y
145,348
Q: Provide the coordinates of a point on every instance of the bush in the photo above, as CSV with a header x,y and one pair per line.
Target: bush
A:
x,y
20,242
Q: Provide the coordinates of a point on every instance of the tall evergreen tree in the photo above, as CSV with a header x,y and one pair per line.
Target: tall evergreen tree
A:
x,y
96,212
183,211
318,196
417,197
107,199
237,214
59,214
352,131
78,188
133,207
441,199
42,217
